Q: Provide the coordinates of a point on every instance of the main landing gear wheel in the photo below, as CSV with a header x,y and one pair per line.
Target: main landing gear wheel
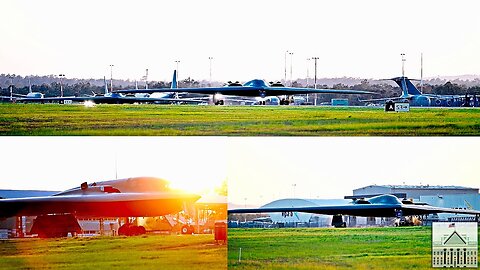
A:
x,y
129,229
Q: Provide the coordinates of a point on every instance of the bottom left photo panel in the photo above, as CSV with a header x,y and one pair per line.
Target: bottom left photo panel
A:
x,y
123,202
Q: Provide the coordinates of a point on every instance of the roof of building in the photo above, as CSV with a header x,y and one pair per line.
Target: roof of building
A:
x,y
417,187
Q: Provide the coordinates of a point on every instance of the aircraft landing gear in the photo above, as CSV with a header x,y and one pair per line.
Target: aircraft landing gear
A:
x,y
187,229
129,229
50,226
337,222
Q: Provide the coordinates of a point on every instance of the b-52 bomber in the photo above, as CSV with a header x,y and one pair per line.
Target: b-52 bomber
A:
x,y
253,88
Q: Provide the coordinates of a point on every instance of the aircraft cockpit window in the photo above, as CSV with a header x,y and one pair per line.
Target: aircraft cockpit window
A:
x,y
385,199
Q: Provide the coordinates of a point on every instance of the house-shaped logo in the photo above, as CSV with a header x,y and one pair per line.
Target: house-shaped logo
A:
x,y
454,244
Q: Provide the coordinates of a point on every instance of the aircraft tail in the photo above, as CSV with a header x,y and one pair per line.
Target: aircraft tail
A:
x,y
105,84
174,80
407,86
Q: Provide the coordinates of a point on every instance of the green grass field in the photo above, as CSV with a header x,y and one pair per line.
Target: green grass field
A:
x,y
320,248
173,120
143,252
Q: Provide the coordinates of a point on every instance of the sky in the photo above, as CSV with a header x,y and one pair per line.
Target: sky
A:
x,y
261,170
246,39
59,163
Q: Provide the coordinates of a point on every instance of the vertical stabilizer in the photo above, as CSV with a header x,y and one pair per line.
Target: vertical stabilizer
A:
x,y
174,80
407,86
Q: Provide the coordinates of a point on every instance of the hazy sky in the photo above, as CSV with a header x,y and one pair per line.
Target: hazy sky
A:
x,y
265,169
247,39
58,163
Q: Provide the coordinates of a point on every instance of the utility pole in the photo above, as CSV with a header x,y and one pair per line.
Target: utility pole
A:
x,y
315,81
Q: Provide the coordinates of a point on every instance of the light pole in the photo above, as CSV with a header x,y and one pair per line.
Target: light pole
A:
x,y
61,83
210,59
403,64
421,72
111,78
11,85
146,78
308,64
294,185
315,80
291,68
285,78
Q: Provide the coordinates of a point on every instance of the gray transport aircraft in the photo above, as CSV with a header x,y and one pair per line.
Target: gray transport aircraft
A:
x,y
132,197
379,206
253,88
412,95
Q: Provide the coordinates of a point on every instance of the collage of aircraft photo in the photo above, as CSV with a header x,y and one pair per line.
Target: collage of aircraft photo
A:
x,y
239,135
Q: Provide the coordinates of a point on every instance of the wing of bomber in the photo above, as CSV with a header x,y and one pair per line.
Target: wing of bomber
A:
x,y
253,88
379,206
104,204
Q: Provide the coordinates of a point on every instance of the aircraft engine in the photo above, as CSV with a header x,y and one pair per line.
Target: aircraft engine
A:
x,y
449,102
438,102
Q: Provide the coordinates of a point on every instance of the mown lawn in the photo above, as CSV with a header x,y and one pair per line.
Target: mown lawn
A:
x,y
320,248
142,252
174,120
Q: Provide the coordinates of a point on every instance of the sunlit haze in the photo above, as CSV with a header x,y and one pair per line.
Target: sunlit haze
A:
x,y
58,163
246,39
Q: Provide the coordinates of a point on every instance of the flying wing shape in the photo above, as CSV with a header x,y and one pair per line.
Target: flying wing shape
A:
x,y
99,201
253,88
379,206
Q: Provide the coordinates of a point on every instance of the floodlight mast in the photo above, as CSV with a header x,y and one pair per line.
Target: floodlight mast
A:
x,y
315,81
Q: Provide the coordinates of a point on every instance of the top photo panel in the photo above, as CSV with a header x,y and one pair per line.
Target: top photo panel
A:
x,y
255,68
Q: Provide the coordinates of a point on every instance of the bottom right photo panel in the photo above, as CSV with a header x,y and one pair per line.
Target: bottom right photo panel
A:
x,y
353,203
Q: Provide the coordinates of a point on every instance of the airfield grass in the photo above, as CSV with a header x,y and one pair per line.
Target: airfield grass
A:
x,y
142,252
174,120
320,248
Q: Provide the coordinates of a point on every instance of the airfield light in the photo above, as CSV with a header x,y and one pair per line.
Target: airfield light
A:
x,y
111,78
